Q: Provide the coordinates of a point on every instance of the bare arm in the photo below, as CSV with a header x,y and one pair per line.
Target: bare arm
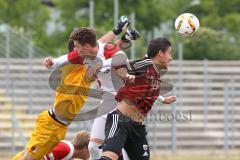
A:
x,y
123,74
107,37
167,100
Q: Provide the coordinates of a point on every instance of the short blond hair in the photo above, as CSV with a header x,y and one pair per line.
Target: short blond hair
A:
x,y
81,139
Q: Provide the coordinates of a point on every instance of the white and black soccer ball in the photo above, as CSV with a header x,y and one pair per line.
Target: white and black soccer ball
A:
x,y
187,24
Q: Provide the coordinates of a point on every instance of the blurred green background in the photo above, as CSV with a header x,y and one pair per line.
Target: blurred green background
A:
x,y
49,23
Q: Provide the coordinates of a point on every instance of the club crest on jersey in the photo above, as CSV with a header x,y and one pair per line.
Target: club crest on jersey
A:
x,y
145,147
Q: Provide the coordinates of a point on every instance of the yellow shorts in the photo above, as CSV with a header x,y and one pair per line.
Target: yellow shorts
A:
x,y
45,136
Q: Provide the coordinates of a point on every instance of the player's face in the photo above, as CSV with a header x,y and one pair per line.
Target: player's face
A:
x,y
82,49
165,57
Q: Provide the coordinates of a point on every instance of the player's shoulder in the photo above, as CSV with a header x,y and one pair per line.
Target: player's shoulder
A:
x,y
139,66
139,63
74,57
110,50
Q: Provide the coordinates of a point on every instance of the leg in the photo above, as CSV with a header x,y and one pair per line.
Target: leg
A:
x,y
139,150
18,156
104,158
94,148
125,156
97,138
45,136
116,134
27,156
137,147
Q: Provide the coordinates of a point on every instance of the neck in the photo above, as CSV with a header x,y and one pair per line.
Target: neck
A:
x,y
157,65
95,50
155,61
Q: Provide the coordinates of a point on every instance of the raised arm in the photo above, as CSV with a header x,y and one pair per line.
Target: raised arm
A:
x,y
130,34
72,57
123,23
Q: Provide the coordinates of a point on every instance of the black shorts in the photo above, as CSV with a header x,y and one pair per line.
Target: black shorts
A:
x,y
122,132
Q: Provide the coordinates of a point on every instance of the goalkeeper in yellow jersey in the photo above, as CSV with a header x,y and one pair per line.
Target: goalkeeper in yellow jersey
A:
x,y
51,125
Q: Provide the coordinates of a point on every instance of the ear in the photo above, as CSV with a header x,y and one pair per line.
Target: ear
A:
x,y
160,53
87,46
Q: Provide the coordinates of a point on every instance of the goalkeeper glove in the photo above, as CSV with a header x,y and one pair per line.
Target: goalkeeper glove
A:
x,y
123,23
130,34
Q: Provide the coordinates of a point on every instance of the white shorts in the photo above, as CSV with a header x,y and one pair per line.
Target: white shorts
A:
x,y
98,127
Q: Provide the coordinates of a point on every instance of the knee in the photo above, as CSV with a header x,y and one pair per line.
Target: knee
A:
x,y
109,155
94,150
105,158
27,156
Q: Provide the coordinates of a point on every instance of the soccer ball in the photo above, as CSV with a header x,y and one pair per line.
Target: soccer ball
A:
x,y
186,24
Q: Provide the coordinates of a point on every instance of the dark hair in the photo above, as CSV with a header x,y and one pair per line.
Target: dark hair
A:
x,y
70,45
157,44
84,36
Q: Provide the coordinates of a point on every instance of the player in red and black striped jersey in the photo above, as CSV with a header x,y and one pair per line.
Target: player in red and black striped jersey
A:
x,y
124,128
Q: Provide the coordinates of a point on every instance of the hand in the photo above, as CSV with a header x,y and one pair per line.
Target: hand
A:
x,y
123,23
130,34
169,99
130,78
92,71
48,62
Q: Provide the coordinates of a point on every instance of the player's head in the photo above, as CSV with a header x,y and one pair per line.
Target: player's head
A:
x,y
85,40
159,49
71,45
80,142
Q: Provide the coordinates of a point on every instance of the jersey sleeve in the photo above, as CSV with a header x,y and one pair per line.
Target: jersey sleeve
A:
x,y
114,57
58,62
75,58
110,50
72,57
139,67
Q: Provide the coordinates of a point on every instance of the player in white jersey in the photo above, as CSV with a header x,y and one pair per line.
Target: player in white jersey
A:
x,y
52,124
108,85
105,53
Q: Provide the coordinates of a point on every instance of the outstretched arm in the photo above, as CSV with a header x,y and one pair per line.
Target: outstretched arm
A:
x,y
50,62
72,57
167,100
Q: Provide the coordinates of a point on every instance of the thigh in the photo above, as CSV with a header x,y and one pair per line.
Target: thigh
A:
x,y
138,150
125,156
45,136
136,145
98,128
115,133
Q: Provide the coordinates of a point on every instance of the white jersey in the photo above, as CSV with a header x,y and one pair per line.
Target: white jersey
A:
x,y
110,82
